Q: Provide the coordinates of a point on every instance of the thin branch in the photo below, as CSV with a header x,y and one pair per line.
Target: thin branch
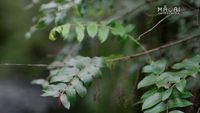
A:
x,y
155,49
137,103
29,65
153,26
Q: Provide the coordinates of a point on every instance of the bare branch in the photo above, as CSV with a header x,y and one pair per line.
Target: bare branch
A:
x,y
153,26
28,65
155,49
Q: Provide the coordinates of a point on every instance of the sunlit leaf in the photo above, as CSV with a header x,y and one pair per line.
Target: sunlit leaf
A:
x,y
65,101
80,31
92,29
65,31
118,29
103,33
79,87
70,92
39,81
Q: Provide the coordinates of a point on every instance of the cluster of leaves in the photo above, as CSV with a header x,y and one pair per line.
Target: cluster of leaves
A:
x,y
71,77
93,29
167,89
61,11
54,11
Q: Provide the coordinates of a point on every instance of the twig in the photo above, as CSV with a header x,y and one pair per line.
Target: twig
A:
x,y
155,49
137,103
153,27
29,65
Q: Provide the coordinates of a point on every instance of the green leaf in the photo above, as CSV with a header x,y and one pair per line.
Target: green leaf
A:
x,y
70,92
89,71
78,62
157,109
167,78
65,101
79,87
176,111
53,93
177,102
177,94
196,58
148,94
185,73
192,64
103,33
118,29
92,29
147,81
64,74
61,78
85,76
129,28
80,31
39,81
52,35
72,76
181,85
54,90
167,94
43,22
65,31
185,94
155,67
58,87
98,61
151,101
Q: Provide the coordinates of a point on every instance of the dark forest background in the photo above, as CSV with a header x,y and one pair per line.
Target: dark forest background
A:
x,y
116,92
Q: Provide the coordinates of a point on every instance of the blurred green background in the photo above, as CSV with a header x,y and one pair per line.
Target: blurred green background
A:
x,y
116,91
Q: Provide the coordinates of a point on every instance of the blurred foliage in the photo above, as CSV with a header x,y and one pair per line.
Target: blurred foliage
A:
x,y
116,91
